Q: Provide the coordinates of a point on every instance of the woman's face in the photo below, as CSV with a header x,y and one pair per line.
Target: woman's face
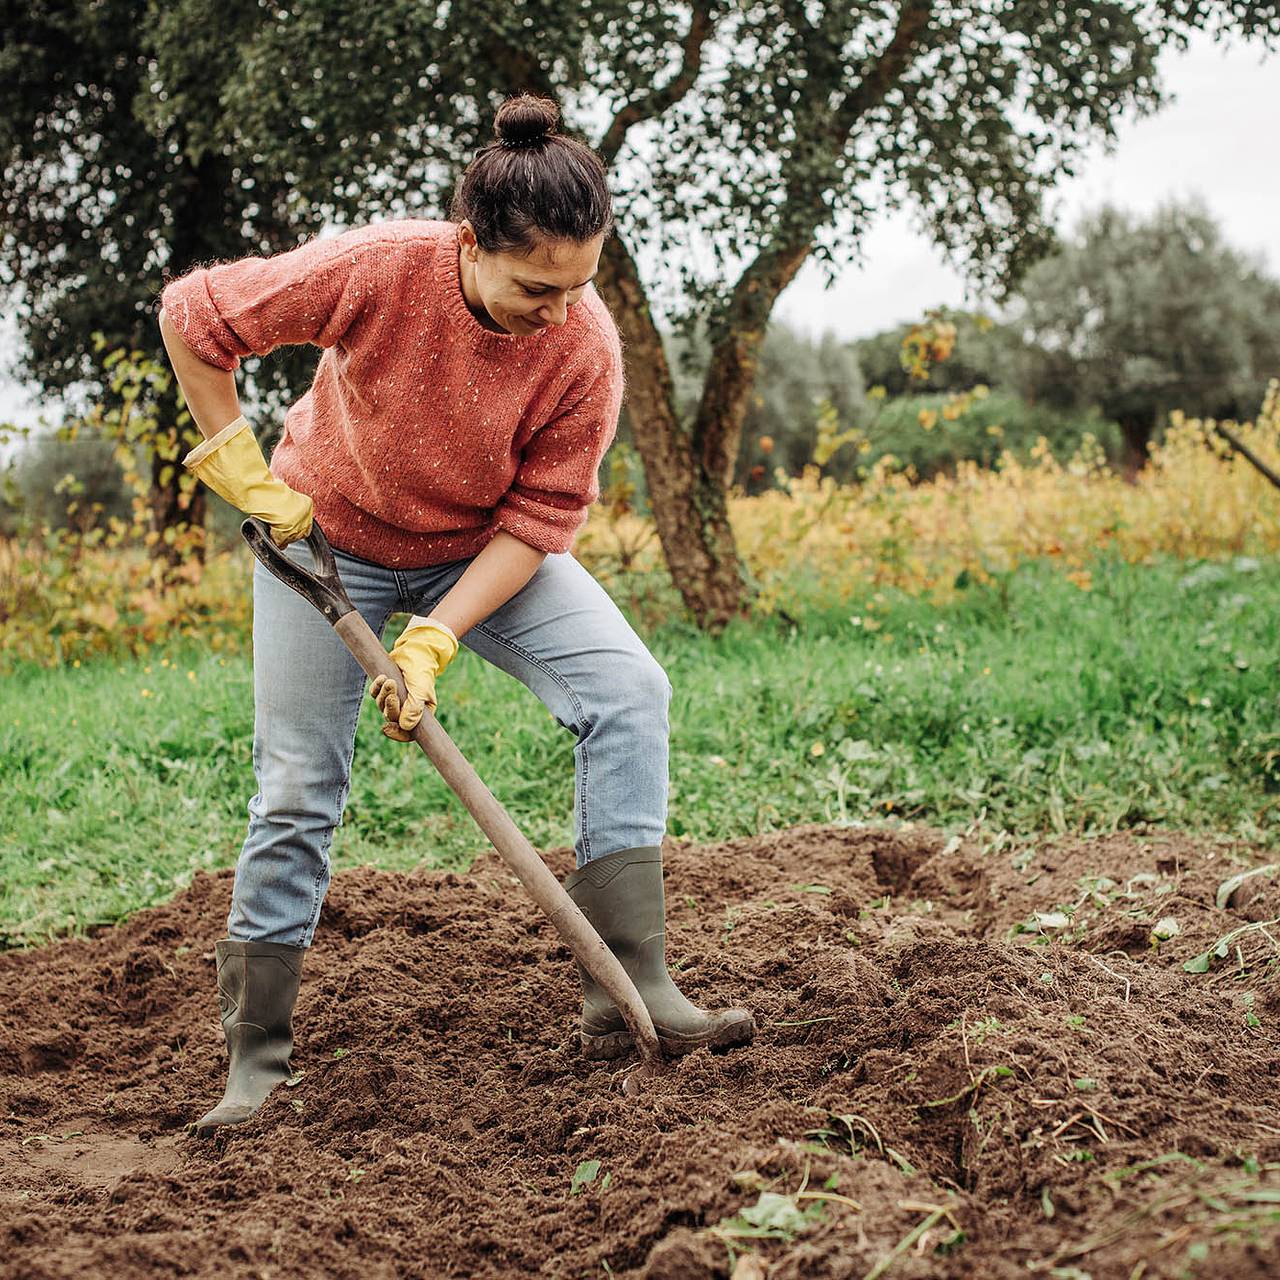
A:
x,y
523,294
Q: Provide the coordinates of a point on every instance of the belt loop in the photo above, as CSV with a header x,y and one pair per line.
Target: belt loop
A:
x,y
402,589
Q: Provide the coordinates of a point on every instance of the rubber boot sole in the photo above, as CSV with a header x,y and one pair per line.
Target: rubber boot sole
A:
x,y
222,1118
614,1044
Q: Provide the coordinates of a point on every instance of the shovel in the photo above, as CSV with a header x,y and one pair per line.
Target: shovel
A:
x,y
322,587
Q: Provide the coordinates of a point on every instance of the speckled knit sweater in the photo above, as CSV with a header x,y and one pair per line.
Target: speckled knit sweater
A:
x,y
423,432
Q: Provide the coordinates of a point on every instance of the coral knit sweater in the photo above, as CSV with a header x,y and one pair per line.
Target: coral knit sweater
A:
x,y
423,432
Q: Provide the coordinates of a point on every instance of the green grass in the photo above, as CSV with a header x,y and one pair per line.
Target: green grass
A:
x,y
1027,706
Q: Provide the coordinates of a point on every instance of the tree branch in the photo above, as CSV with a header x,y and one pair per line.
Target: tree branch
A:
x,y
1245,452
520,68
776,263
889,66
655,103
731,372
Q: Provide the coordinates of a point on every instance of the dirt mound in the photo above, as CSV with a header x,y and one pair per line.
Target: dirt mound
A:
x,y
968,1063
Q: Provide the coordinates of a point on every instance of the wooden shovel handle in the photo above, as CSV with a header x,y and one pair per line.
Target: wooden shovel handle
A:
x,y
324,589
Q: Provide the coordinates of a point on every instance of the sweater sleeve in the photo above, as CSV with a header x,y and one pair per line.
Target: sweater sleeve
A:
x,y
557,478
253,305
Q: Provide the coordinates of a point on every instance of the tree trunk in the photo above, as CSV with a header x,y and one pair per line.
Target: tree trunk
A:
x,y
689,500
1136,430
734,357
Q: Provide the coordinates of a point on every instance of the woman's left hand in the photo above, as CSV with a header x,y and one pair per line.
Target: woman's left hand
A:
x,y
422,652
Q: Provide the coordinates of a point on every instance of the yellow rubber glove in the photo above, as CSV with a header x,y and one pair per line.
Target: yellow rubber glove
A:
x,y
423,651
232,465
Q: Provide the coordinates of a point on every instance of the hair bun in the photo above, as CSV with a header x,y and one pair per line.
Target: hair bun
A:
x,y
526,121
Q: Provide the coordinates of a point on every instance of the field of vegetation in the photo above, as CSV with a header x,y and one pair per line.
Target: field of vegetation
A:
x,y
1033,648
978,806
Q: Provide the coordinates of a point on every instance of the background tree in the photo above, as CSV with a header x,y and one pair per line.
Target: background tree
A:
x,y
98,199
795,379
768,131
1139,316
795,376
745,136
986,354
61,483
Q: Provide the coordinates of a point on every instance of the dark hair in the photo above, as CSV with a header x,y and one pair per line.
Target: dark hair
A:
x,y
532,183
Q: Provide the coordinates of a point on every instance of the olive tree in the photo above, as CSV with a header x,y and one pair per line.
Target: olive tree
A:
x,y
743,137
1139,316
784,129
98,200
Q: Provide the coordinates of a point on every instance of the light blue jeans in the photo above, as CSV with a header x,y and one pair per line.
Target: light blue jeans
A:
x,y
561,635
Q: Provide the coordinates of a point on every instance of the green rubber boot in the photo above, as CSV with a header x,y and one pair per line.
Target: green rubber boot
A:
x,y
257,986
621,894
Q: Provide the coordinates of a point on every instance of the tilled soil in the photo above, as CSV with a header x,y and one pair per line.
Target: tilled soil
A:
x,y
942,1085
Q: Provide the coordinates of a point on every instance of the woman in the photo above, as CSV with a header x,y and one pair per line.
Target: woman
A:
x,y
449,444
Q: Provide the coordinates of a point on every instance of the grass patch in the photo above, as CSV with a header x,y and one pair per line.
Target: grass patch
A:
x,y
1026,705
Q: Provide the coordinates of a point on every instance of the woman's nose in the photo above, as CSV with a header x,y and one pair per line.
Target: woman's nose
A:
x,y
555,312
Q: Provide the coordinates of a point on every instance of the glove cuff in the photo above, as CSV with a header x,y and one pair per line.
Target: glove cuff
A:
x,y
214,442
432,624
416,622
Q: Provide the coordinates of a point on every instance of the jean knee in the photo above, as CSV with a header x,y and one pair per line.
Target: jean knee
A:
x,y
294,792
639,690
662,688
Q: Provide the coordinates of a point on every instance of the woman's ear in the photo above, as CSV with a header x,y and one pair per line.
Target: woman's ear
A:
x,y
467,238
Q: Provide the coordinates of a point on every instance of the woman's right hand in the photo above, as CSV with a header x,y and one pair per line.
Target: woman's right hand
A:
x,y
232,465
425,647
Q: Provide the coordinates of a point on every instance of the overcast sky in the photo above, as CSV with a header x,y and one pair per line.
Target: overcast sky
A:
x,y
1205,142
1212,140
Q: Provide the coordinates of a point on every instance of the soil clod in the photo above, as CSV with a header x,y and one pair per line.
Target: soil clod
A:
x,y
966,1064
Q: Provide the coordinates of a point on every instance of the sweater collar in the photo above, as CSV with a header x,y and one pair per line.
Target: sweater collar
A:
x,y
449,279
